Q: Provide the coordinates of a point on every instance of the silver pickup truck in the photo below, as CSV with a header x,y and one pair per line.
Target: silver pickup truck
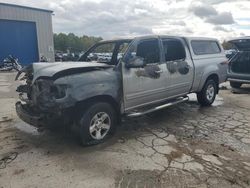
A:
x,y
129,76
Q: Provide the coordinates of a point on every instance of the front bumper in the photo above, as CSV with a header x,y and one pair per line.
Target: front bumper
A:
x,y
28,116
45,119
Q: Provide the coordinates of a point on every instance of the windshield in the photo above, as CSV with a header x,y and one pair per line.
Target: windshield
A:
x,y
106,52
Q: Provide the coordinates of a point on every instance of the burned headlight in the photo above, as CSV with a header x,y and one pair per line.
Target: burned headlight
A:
x,y
58,91
49,89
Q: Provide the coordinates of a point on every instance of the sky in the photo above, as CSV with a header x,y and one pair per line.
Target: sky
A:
x,y
221,19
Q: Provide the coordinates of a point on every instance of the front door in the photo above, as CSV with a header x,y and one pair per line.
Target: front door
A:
x,y
146,84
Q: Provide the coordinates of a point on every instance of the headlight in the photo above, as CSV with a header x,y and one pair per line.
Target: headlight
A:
x,y
49,89
58,91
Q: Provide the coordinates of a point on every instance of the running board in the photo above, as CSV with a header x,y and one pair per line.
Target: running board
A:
x,y
177,101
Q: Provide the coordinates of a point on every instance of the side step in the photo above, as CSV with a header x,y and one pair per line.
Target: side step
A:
x,y
177,101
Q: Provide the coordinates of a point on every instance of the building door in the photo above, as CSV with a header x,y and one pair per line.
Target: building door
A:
x,y
19,39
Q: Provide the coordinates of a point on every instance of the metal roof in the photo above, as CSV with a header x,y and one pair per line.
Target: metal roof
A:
x,y
31,8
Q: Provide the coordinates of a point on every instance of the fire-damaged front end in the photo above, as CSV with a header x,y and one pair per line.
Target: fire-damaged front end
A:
x,y
51,91
39,105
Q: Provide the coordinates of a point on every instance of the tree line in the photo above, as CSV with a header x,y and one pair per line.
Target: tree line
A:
x,y
72,43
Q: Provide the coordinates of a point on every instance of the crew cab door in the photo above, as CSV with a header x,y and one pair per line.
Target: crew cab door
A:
x,y
179,66
144,76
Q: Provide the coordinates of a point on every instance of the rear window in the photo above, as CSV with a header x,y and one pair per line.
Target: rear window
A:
x,y
205,47
173,50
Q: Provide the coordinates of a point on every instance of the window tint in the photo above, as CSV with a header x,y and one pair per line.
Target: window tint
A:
x,y
149,51
205,47
173,50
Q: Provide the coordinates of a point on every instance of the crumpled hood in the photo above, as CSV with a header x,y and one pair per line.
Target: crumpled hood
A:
x,y
50,69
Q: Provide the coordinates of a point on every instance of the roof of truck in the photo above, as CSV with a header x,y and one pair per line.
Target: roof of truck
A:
x,y
155,36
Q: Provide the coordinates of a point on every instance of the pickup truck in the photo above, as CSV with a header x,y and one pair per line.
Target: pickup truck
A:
x,y
142,75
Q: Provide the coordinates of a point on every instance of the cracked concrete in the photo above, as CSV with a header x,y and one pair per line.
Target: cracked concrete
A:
x,y
182,146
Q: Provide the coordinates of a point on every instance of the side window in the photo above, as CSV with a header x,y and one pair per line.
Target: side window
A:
x,y
122,49
149,51
205,47
173,50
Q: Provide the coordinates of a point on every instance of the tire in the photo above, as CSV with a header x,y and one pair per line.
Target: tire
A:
x,y
97,123
235,84
208,93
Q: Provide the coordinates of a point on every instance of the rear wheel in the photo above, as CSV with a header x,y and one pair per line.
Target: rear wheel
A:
x,y
235,84
208,93
97,123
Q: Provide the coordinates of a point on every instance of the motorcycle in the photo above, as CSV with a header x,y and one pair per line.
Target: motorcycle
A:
x,y
10,63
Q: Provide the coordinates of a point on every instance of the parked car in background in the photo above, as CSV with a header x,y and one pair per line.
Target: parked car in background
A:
x,y
133,77
60,56
239,66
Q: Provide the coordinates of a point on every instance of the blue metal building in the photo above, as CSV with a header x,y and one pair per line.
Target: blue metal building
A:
x,y
26,33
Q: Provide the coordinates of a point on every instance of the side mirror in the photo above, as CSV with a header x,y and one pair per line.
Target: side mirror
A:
x,y
137,62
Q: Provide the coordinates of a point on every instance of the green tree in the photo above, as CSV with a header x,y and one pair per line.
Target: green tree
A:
x,y
64,42
227,45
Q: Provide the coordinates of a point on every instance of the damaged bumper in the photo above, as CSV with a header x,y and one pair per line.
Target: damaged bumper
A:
x,y
28,116
39,118
45,119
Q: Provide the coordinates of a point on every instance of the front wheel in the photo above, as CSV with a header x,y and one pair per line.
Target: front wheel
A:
x,y
208,93
97,123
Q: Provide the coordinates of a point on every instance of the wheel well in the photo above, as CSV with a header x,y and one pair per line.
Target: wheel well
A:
x,y
99,98
214,77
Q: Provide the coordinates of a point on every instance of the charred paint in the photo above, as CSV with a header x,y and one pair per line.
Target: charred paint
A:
x,y
178,66
150,71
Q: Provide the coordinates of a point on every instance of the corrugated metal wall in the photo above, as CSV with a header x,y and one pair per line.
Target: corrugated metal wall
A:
x,y
43,20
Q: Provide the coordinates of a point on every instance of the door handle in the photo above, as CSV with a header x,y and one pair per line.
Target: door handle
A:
x,y
159,71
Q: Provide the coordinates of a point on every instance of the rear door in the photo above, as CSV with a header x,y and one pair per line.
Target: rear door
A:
x,y
179,66
148,84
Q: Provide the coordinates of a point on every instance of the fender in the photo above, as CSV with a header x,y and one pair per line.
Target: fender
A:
x,y
208,71
90,84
